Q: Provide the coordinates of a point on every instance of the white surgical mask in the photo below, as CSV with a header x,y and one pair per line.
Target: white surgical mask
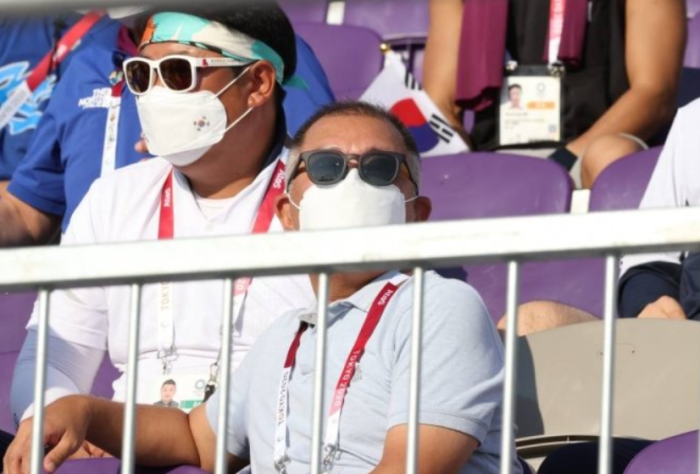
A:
x,y
182,127
351,203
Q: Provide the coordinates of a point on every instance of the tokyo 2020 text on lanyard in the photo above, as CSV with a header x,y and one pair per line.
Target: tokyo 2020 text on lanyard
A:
x,y
166,230
332,434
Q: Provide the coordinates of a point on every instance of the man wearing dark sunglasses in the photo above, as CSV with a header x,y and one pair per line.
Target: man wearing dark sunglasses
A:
x,y
209,98
357,153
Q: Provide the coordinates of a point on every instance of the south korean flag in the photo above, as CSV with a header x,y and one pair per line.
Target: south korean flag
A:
x,y
397,90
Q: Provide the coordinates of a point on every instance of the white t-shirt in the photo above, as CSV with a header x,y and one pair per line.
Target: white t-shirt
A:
x,y
675,182
125,207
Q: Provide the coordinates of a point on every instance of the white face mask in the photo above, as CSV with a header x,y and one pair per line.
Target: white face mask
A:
x,y
351,203
182,127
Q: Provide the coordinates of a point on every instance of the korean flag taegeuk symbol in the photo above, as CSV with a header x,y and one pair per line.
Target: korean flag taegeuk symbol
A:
x,y
397,90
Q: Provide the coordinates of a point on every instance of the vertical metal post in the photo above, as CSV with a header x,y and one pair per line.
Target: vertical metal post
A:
x,y
129,435
606,416
510,382
319,375
414,392
37,455
224,378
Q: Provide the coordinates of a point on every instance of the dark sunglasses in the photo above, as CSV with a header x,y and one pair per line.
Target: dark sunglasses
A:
x,y
178,73
378,168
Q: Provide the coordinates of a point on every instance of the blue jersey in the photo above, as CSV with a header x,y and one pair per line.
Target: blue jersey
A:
x,y
65,156
23,43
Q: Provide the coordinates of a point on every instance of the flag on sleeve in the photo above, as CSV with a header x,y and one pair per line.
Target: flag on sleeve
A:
x,y
397,90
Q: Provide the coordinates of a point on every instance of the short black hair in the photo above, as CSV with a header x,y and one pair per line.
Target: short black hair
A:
x,y
262,20
515,86
169,382
359,109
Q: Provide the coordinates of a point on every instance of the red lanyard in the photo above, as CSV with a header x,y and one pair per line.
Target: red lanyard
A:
x,y
23,92
64,46
263,219
374,315
166,230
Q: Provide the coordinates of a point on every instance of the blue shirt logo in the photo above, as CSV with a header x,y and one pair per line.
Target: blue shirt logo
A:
x,y
28,116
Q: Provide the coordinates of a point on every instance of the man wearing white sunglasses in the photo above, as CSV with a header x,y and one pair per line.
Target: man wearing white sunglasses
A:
x,y
209,99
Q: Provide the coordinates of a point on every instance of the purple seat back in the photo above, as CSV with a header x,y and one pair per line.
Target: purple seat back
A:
x,y
350,55
111,466
389,18
7,367
482,185
677,455
692,46
693,7
622,184
15,310
305,10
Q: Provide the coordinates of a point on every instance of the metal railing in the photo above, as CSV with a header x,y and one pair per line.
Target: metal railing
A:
x,y
418,246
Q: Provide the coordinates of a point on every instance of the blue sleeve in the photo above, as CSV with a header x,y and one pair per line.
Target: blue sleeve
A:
x,y
643,284
302,101
38,180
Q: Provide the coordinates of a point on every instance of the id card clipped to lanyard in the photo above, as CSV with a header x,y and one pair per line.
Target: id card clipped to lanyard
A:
x,y
125,45
166,231
332,433
63,47
530,108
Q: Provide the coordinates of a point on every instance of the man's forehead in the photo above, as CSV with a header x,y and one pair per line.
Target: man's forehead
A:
x,y
354,133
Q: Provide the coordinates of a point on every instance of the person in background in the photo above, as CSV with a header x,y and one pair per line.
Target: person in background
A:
x,y
664,285
617,64
27,47
209,97
351,165
91,128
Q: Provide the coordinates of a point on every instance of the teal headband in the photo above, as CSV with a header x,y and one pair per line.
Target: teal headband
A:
x,y
211,35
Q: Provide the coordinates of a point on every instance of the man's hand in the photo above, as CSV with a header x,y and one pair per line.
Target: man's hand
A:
x,y
663,308
88,450
65,425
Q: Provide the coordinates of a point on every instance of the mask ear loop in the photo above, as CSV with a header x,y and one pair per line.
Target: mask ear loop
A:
x,y
226,87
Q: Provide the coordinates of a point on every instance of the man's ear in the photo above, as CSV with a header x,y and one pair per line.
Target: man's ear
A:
x,y
262,80
283,209
422,207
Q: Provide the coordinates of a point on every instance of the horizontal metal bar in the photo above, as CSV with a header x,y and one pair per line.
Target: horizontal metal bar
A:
x,y
427,245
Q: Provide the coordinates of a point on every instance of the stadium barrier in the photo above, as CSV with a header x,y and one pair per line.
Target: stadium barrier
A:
x,y
416,246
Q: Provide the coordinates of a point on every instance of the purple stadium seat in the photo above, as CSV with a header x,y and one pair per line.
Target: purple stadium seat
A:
x,y
692,46
693,7
7,366
677,455
350,55
15,309
390,18
111,466
622,184
482,185
305,10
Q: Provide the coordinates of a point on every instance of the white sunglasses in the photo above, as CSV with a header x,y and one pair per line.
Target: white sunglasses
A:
x,y
178,72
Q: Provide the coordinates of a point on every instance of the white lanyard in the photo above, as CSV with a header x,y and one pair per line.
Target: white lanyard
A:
x,y
109,150
333,424
556,27
166,230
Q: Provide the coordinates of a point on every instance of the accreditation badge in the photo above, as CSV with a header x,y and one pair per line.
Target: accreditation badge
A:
x,y
183,391
530,107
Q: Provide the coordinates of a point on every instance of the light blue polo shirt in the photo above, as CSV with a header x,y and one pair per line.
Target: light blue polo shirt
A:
x,y
461,386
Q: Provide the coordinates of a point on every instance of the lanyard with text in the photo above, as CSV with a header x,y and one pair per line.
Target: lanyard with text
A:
x,y
556,27
166,230
23,92
333,425
109,150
